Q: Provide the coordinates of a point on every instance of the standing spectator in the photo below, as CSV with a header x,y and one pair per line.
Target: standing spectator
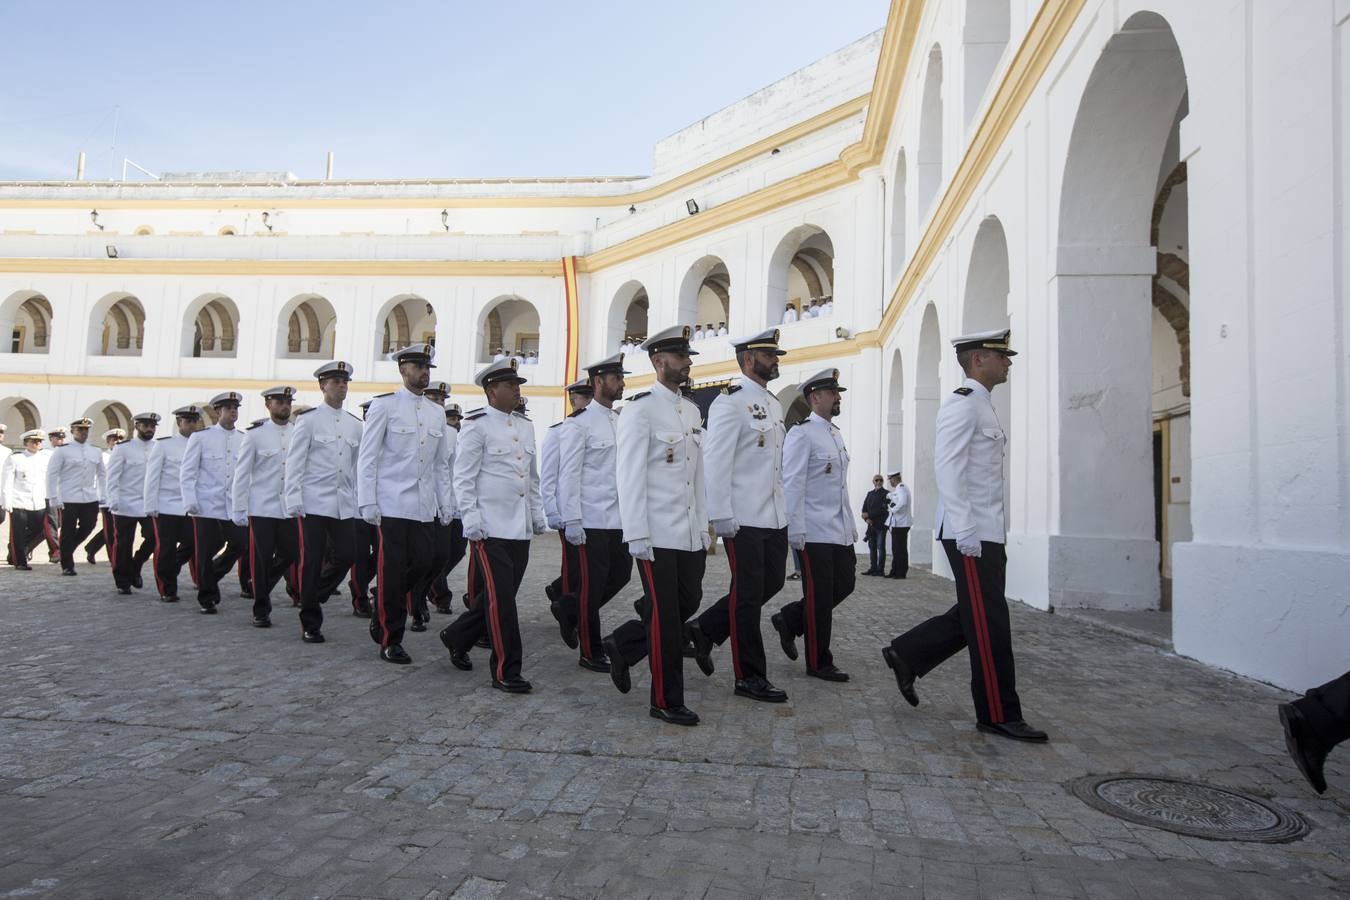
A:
x,y
898,520
827,306
874,511
698,332
789,314
722,329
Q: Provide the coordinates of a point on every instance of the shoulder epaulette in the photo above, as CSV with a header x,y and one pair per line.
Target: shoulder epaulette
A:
x,y
731,389
304,411
639,396
385,394
471,416
521,415
576,412
556,424
254,425
964,391
165,438
352,414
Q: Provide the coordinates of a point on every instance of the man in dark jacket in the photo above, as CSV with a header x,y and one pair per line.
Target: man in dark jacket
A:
x,y
874,510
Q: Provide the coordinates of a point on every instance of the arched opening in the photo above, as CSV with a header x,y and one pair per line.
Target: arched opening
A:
x,y
308,325
107,414
894,453
927,398
143,230
629,314
1124,459
19,415
983,41
211,327
899,211
117,326
930,134
406,319
801,275
26,317
227,231
705,296
509,327
986,308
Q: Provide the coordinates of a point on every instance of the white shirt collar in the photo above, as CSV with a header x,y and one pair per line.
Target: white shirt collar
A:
x,y
977,387
665,391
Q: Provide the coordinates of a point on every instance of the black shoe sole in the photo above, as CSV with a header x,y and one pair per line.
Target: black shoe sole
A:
x,y
512,689
906,690
398,662
1292,721
208,610
319,639
593,666
990,729
841,678
762,698
789,644
702,648
262,623
658,714
618,672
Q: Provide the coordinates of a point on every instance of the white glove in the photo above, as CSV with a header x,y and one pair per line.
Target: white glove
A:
x,y
706,538
540,525
641,550
476,533
797,542
240,519
555,522
969,545
295,512
726,528
193,510
575,534
371,514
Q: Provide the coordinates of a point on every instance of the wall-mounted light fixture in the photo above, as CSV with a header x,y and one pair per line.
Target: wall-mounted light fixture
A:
x,y
445,219
692,206
111,251
842,333
775,151
93,217
632,209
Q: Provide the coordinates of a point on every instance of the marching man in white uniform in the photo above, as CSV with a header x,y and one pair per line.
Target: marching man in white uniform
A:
x,y
820,526
449,537
320,485
126,502
103,537
74,482
665,523
579,395
207,476
418,610
25,493
971,525
402,487
256,499
588,507
743,458
497,485
164,502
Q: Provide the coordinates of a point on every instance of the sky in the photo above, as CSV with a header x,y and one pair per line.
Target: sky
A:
x,y
398,89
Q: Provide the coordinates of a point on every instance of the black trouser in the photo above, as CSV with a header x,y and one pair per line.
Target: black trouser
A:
x,y
273,547
404,558
103,536
78,521
218,545
48,530
1327,709
876,547
978,622
173,547
829,572
23,525
603,567
366,543
454,547
674,588
473,582
501,565
128,560
758,561
327,546
900,551
565,584
441,536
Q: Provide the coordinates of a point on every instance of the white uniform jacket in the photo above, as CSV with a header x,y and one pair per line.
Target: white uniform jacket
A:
x,y
743,455
660,469
75,474
969,463
451,450
163,476
208,471
260,471
588,482
815,480
403,466
126,478
898,514
5,454
26,480
321,463
548,470
497,478
106,456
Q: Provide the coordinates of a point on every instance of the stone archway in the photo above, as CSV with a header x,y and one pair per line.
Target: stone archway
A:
x,y
307,327
705,294
211,327
405,319
117,326
985,309
26,323
930,136
801,269
983,41
927,398
629,317
511,323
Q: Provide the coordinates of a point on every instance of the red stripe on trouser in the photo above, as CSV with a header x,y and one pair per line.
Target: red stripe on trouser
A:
x,y
810,603
992,697
158,550
470,588
654,636
581,600
47,529
730,544
380,589
13,548
562,539
493,614
352,573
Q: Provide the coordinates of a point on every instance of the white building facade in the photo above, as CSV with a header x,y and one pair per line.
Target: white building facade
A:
x,y
1056,167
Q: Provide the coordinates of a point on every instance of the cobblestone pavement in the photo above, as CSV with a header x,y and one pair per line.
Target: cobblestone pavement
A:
x,y
147,751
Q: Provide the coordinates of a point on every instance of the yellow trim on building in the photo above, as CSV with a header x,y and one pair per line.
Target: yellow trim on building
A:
x,y
309,267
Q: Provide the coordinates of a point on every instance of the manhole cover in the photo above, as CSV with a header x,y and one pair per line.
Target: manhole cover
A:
x,y
1185,807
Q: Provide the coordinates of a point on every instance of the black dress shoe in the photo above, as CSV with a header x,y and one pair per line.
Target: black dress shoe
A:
x,y
395,653
785,637
598,664
208,610
515,685
417,625
361,612
137,582
1017,731
1304,748
262,621
904,675
67,571
675,715
313,637
618,669
458,658
24,568
444,608
124,590
89,558
828,673
757,688
565,627
245,594
483,643
168,598
464,598
693,633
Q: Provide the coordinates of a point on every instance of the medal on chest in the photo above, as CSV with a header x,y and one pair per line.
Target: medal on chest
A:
x,y
829,467
670,454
